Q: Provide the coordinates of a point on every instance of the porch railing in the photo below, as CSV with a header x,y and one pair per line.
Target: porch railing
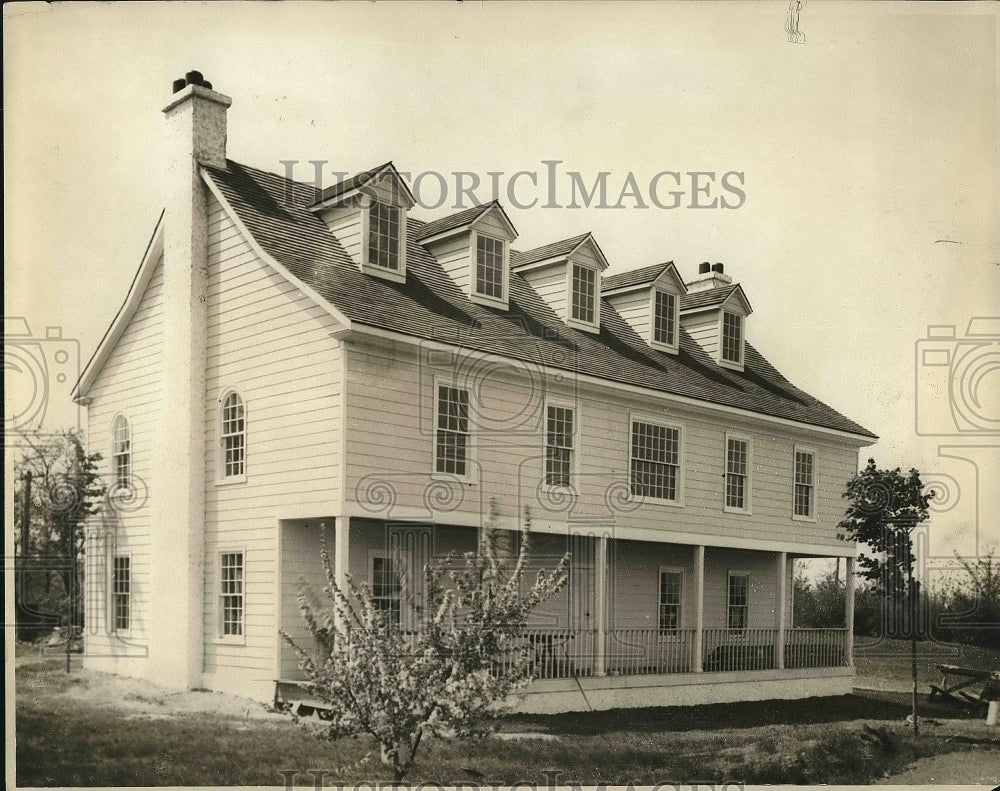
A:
x,y
728,650
569,653
815,648
554,652
637,652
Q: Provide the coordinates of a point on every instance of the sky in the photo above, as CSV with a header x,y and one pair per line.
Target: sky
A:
x,y
865,157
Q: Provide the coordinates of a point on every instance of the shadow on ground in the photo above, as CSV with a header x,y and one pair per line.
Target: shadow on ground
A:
x,y
862,705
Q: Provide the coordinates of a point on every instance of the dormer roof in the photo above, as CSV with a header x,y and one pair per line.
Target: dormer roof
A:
x,y
342,190
558,251
464,219
639,278
715,297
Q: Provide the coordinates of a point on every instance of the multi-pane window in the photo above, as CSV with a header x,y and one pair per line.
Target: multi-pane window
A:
x,y
656,460
386,588
122,453
121,593
738,600
670,601
489,266
737,472
732,337
584,294
383,235
234,436
231,594
558,445
665,318
452,443
804,483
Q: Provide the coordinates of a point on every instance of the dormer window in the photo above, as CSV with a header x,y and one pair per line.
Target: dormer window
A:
x,y
473,247
732,338
384,238
665,318
367,215
489,266
584,298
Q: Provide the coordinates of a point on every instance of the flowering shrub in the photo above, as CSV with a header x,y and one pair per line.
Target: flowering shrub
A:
x,y
453,675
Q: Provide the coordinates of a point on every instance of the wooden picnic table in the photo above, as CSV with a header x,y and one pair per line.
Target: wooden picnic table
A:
x,y
955,680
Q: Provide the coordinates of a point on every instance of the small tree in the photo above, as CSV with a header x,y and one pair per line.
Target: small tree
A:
x,y
65,488
449,677
885,508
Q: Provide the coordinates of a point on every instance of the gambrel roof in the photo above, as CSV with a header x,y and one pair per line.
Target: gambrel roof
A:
x,y
275,211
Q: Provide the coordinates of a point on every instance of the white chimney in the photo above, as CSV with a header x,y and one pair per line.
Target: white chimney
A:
x,y
709,276
195,136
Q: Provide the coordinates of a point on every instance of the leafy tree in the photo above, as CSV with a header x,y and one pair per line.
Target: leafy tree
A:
x,y
819,604
451,676
65,489
885,508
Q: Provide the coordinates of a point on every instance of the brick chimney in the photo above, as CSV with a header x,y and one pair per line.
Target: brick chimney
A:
x,y
195,136
709,276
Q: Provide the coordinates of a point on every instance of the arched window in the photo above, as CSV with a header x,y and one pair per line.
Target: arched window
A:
x,y
121,453
233,437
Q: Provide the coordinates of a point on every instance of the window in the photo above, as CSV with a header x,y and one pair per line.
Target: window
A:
x,y
386,588
558,446
383,235
231,594
233,437
665,318
670,600
452,444
738,600
656,459
732,338
489,266
121,592
584,294
121,453
737,473
804,472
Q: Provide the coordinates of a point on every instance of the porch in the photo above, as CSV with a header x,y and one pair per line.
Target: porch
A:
x,y
638,621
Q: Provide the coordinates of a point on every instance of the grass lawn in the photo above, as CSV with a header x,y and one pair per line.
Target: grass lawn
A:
x,y
92,729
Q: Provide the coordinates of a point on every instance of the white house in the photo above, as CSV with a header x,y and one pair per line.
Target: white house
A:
x,y
288,362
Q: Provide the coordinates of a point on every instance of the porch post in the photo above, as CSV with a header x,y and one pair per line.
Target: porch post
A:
x,y
781,604
601,605
699,603
849,612
342,551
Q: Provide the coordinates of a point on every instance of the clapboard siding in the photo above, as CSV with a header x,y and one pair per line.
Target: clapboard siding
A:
x,y
129,384
704,328
550,284
345,223
454,255
272,344
393,436
633,307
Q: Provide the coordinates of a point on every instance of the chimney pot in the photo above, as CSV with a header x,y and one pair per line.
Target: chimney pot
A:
x,y
704,268
206,84
719,268
179,84
194,78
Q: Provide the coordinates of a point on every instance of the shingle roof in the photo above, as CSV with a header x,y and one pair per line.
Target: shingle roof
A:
x,y
355,181
706,299
636,277
429,305
457,220
553,250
